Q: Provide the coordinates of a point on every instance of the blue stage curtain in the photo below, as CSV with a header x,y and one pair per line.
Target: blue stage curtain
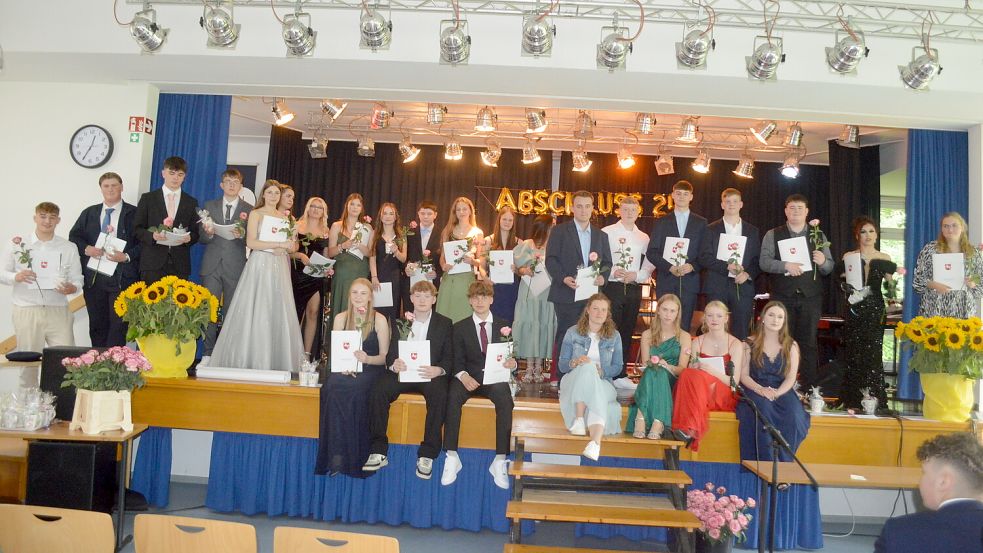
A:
x,y
196,128
938,182
152,467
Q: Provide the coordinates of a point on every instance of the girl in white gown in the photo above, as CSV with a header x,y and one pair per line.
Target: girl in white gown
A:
x,y
260,329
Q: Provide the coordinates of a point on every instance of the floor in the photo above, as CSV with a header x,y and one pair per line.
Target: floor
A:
x,y
188,500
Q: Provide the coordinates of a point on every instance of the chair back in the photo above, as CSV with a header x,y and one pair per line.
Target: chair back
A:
x,y
165,534
32,529
288,539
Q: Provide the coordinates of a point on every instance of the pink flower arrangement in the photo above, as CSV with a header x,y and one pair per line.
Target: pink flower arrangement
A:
x,y
721,516
169,221
902,271
116,369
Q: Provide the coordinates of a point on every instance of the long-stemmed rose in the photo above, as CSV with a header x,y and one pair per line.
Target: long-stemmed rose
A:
x,y
819,242
24,258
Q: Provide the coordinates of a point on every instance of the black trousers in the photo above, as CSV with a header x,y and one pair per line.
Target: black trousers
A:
x,y
566,316
499,394
803,324
385,391
625,302
105,328
169,268
741,310
688,300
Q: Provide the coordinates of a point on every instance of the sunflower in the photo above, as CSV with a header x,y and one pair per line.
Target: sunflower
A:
x,y
966,326
976,341
976,323
899,330
168,280
212,309
915,334
135,290
120,306
183,297
933,343
955,339
153,295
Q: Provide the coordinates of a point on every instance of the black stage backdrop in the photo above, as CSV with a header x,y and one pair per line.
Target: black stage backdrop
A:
x,y
386,178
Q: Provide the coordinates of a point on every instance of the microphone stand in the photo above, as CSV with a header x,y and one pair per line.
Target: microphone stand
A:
x,y
778,443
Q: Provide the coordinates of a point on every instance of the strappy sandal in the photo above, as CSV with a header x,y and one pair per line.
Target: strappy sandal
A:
x,y
656,431
639,426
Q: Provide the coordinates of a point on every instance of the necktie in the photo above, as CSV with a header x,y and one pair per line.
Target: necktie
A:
x,y
424,237
484,337
107,218
171,205
228,213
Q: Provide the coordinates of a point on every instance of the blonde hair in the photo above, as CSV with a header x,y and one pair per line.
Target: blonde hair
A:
x,y
720,305
322,221
608,328
452,220
655,326
964,246
369,325
784,338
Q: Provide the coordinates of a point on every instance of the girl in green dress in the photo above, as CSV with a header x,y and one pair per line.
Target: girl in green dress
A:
x,y
535,321
452,299
348,244
669,346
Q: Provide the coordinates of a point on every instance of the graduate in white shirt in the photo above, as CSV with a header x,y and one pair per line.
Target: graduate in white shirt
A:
x,y
40,303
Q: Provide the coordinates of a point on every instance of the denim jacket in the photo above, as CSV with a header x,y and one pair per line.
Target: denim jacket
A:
x,y
575,344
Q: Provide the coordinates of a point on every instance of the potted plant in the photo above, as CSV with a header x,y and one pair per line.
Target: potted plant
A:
x,y
948,355
166,318
869,401
723,518
103,382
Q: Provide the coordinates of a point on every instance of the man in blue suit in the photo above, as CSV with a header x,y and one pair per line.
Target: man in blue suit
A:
x,y
115,218
569,248
952,490
680,277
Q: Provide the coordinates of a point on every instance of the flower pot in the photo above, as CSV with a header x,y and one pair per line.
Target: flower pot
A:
x,y
817,404
869,406
164,356
97,412
948,397
705,545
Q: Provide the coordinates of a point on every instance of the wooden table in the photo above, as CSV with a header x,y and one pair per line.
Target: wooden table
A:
x,y
60,432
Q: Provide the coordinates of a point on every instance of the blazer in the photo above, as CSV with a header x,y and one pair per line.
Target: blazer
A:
x,y
576,344
414,251
467,347
955,527
563,256
86,231
440,334
219,252
716,283
151,212
665,227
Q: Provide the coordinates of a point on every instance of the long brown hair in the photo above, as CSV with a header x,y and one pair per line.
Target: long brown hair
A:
x,y
965,247
379,227
261,200
369,309
452,221
608,328
655,326
541,227
511,242
344,214
784,338
284,187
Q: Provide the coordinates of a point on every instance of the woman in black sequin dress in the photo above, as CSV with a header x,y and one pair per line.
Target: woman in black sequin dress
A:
x,y
308,290
864,330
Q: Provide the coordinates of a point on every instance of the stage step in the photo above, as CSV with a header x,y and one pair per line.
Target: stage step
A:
x,y
558,440
521,469
520,548
600,509
564,435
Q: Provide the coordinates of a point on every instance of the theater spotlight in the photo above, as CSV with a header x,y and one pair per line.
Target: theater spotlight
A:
x,y
625,158
793,135
407,150
146,32
583,128
692,52
848,52
535,120
380,116
297,35
455,42
790,168
921,69
486,120
689,130
645,123
537,35
529,153
664,164
762,65
366,146
849,137
702,162
375,30
318,148
745,167
763,130
333,108
612,51
281,115
581,163
218,23
492,153
453,150
436,113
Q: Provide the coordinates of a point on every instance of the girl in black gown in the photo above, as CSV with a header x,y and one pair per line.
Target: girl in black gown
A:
x,y
387,256
344,422
308,290
863,331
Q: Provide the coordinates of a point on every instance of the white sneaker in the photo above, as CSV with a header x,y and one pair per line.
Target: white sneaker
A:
x,y
500,474
424,468
578,428
592,451
375,462
452,466
204,360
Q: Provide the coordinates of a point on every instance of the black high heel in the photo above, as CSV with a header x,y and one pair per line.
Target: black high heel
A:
x,y
683,436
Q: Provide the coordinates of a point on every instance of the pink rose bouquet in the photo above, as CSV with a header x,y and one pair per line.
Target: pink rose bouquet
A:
x,y
116,369
721,515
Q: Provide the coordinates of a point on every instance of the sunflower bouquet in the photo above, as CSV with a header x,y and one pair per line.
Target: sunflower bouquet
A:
x,y
172,307
944,345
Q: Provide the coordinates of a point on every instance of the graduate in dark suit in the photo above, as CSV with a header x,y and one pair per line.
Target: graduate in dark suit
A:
x,y
952,490
427,324
156,206
113,217
471,337
682,279
426,236
569,247
732,283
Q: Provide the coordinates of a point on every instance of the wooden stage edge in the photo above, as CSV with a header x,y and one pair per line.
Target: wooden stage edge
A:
x,y
292,410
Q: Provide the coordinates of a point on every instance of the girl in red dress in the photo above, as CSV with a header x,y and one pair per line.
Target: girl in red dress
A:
x,y
704,386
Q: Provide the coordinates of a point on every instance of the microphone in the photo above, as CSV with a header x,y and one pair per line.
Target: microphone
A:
x,y
729,371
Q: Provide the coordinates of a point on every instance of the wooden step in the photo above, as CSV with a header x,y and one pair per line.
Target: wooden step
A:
x,y
679,478
564,435
600,509
519,548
